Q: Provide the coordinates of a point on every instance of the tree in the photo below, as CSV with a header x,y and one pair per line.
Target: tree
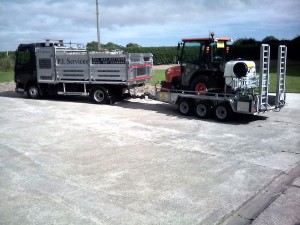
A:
x,y
270,39
245,41
92,46
133,45
112,46
296,39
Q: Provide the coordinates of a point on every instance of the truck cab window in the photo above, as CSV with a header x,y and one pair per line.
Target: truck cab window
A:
x,y
23,57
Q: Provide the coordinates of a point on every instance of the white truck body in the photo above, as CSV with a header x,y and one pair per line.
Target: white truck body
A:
x,y
61,64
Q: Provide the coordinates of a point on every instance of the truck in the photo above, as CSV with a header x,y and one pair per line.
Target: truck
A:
x,y
53,68
244,91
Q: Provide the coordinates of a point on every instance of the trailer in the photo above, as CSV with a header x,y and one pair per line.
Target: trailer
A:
x,y
52,68
244,92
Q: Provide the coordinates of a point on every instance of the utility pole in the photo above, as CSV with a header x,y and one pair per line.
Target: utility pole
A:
x,y
98,29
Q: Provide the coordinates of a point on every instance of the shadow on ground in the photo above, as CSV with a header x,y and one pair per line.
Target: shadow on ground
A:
x,y
166,109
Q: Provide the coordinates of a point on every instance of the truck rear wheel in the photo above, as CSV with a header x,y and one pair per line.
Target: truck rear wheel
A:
x,y
223,111
99,95
33,91
185,107
203,109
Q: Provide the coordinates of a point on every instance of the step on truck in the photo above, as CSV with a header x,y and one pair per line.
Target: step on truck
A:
x,y
52,68
244,90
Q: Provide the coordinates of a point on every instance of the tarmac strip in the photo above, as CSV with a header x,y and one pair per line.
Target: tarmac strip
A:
x,y
256,205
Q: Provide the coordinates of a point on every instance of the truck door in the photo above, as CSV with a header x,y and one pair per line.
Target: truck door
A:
x,y
25,66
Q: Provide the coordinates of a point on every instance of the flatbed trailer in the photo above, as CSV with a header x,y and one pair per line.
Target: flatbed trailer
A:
x,y
248,95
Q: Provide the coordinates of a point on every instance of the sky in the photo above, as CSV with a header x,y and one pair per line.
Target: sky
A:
x,y
147,23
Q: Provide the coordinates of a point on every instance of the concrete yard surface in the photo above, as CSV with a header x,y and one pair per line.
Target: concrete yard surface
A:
x,y
68,161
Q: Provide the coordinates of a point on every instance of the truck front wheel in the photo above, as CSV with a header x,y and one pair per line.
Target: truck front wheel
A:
x,y
33,91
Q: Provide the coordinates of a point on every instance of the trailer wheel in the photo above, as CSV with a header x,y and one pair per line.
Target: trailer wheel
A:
x,y
185,107
223,111
203,109
99,95
33,91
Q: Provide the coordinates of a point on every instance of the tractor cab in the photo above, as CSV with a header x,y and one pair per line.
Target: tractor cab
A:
x,y
202,62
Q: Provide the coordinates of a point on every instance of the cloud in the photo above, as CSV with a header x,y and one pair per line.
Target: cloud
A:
x,y
148,23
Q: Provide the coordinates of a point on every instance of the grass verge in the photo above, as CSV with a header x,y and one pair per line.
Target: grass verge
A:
x,y
6,76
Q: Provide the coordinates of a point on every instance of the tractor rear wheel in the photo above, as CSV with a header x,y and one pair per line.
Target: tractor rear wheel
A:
x,y
202,83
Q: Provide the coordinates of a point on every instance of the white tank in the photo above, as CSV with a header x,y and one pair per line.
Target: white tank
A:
x,y
239,70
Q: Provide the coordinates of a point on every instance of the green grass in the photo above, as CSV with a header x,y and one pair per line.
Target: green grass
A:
x,y
6,76
292,79
158,76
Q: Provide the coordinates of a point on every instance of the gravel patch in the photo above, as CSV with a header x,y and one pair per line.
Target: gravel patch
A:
x,y
7,86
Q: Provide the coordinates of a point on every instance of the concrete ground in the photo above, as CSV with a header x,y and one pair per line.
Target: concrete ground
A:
x,y
67,161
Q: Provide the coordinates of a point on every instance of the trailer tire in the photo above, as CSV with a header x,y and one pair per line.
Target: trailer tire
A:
x,y
100,95
33,91
185,107
223,111
203,109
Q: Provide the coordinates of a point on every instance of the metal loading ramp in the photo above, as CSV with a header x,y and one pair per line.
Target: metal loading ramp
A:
x,y
272,101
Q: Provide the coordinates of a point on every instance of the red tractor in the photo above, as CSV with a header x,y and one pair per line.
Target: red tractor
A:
x,y
202,63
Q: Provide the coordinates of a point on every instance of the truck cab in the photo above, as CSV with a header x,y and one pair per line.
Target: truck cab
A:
x,y
202,62
25,65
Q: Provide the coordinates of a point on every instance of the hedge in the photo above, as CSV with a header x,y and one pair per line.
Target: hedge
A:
x,y
161,55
